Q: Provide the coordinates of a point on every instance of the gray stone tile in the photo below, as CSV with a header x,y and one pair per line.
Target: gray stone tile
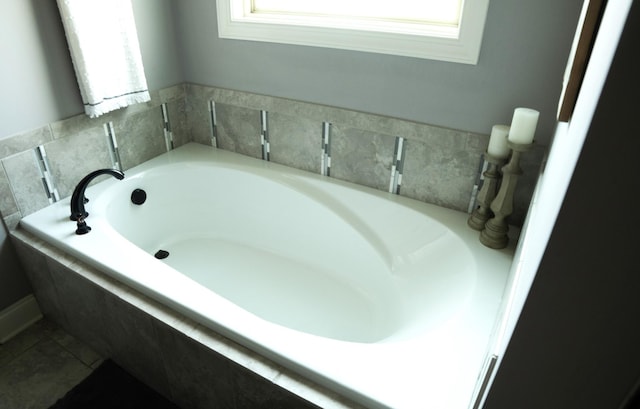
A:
x,y
133,343
199,377
74,156
200,91
40,376
77,124
239,98
83,305
24,141
202,378
26,183
25,340
37,271
12,220
5,356
441,177
77,348
198,115
295,141
239,129
155,102
362,157
140,137
47,328
257,392
81,123
7,201
178,122
172,94
301,109
33,262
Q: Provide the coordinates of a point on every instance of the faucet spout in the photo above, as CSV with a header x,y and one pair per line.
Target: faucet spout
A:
x,y
77,198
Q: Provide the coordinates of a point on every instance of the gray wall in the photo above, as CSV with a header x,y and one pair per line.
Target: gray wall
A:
x,y
39,86
522,60
36,77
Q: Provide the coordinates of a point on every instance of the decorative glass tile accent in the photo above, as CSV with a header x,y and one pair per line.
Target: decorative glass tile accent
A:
x,y
397,166
113,145
214,123
168,135
264,134
325,163
45,172
482,167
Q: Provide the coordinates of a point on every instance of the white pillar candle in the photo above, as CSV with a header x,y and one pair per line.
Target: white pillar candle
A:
x,y
523,125
498,147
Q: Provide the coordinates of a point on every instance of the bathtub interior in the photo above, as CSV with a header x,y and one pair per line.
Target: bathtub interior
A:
x,y
338,263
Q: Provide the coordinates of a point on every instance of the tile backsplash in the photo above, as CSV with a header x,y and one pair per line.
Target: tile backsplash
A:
x,y
78,145
439,165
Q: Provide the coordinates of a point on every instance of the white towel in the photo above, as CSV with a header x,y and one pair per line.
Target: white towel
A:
x,y
105,51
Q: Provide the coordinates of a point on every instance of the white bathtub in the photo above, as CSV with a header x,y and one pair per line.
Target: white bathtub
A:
x,y
386,300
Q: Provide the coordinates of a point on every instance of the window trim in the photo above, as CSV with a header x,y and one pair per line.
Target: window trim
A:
x,y
461,45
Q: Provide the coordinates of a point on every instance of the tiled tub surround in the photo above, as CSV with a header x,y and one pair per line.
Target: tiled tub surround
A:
x,y
439,165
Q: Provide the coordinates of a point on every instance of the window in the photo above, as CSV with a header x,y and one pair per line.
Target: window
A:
x,y
449,30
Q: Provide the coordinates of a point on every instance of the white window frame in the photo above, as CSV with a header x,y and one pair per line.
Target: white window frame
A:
x,y
454,44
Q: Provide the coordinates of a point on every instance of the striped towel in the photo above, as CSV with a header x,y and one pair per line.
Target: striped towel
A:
x,y
106,55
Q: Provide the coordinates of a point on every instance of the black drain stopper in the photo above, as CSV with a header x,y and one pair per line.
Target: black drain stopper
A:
x,y
161,254
138,196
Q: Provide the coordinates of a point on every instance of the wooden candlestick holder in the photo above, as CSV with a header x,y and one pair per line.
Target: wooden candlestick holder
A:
x,y
496,229
482,213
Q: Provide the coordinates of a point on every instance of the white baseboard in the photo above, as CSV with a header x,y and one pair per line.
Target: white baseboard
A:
x,y
18,317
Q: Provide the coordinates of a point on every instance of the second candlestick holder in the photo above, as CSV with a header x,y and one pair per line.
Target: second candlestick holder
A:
x,y
487,193
494,234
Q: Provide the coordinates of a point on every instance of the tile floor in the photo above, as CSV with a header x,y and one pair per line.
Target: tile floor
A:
x,y
39,365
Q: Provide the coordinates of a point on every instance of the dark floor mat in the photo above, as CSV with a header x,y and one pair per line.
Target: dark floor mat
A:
x,y
109,387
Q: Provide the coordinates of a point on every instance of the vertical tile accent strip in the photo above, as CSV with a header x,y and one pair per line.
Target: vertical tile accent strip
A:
x,y
113,145
45,173
168,135
264,135
214,123
397,166
482,166
325,161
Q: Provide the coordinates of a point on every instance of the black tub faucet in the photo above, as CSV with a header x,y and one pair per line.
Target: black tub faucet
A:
x,y
78,213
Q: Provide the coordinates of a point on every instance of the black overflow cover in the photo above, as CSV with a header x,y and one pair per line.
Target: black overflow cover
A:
x,y
160,254
138,196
